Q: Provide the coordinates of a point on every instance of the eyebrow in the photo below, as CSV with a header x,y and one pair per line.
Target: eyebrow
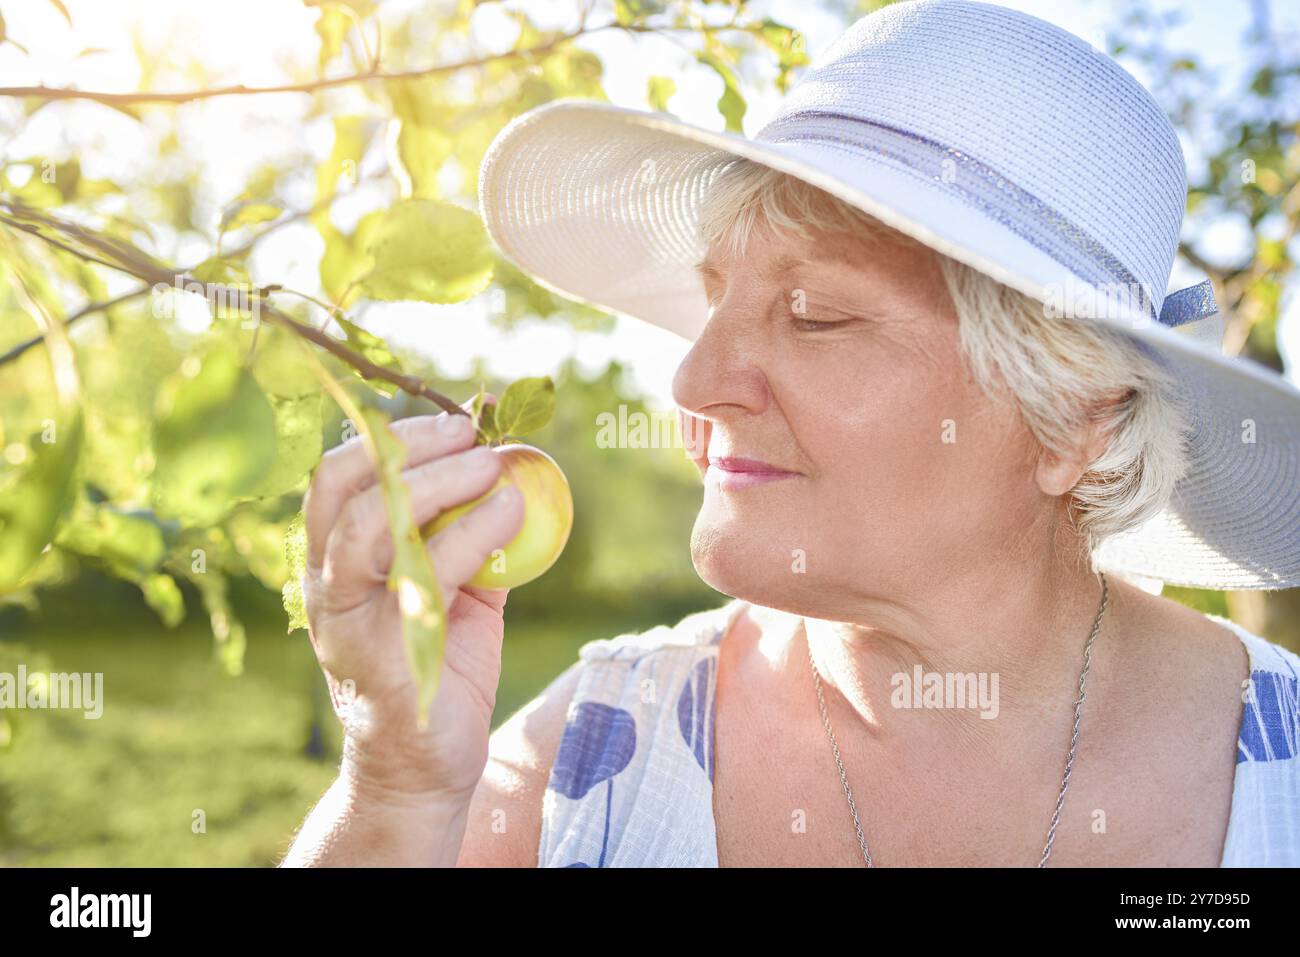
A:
x,y
707,270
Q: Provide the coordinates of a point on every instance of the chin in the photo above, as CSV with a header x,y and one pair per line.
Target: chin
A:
x,y
730,558
744,560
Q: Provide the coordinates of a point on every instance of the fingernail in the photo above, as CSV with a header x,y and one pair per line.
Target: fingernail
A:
x,y
480,460
505,497
453,424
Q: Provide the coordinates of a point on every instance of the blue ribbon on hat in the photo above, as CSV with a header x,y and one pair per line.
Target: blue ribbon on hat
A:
x,y
1188,305
990,191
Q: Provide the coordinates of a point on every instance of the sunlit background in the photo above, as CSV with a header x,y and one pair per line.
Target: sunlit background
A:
x,y
265,42
245,735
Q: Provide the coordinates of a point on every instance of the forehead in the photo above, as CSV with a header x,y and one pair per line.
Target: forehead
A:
x,y
840,250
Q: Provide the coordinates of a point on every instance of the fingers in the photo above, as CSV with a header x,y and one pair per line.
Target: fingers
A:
x,y
359,550
460,549
346,470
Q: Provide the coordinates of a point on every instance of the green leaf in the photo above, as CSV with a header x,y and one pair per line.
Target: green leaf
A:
x,y
297,443
526,406
411,575
35,192
34,499
235,300
789,46
487,422
214,439
129,545
248,213
332,28
424,622
422,150
279,367
731,104
345,260
295,554
660,90
484,414
67,176
227,630
573,72
627,12
164,597
351,137
374,349
341,265
429,251
423,142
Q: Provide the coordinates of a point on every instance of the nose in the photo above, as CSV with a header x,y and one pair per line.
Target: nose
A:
x,y
721,378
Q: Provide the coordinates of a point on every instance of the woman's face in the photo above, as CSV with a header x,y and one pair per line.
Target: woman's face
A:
x,y
839,362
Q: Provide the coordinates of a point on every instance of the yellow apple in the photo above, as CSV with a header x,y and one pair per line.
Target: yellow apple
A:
x,y
548,518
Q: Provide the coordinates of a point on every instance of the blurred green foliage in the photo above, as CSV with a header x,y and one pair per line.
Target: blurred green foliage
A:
x,y
179,736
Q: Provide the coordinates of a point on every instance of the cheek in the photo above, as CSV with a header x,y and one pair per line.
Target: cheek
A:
x,y
903,427
887,398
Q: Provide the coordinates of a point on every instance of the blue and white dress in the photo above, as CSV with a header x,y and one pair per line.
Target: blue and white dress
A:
x,y
632,782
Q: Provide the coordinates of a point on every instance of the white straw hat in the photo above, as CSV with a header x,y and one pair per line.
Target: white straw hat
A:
x,y
993,137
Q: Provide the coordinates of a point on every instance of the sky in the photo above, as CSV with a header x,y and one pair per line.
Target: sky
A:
x,y
219,35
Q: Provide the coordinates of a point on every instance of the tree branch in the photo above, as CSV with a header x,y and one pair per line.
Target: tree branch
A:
x,y
311,86
86,310
153,274
95,307
413,385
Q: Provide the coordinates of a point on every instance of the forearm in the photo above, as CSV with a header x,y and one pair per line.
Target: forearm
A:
x,y
352,826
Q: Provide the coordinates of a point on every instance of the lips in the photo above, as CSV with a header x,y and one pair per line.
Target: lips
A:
x,y
742,465
734,472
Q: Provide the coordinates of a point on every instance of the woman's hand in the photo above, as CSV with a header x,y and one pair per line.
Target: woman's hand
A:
x,y
356,627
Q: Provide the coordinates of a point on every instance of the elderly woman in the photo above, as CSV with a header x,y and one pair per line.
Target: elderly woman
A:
x,y
945,453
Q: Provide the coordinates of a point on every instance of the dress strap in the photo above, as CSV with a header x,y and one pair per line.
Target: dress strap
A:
x,y
1264,822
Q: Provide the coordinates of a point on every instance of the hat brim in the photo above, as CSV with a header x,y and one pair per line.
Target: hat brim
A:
x,y
599,203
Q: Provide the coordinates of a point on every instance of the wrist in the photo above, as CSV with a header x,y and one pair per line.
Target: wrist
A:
x,y
359,823
390,759
389,784
424,827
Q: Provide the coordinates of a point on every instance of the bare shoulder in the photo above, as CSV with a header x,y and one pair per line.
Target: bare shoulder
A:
x,y
504,826
1176,680
1196,649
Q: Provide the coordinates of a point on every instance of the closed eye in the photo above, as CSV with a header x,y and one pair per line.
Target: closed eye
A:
x,y
805,324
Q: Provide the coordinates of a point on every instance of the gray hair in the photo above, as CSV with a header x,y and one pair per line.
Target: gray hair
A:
x,y
1061,373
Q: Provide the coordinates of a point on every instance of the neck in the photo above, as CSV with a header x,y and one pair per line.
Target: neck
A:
x,y
1003,641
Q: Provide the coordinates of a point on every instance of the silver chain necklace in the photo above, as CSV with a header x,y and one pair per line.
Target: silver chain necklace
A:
x,y
1069,761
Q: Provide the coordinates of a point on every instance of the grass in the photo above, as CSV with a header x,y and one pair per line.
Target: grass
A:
x,y
180,743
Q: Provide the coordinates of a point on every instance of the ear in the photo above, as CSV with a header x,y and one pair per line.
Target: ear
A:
x,y
1057,474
